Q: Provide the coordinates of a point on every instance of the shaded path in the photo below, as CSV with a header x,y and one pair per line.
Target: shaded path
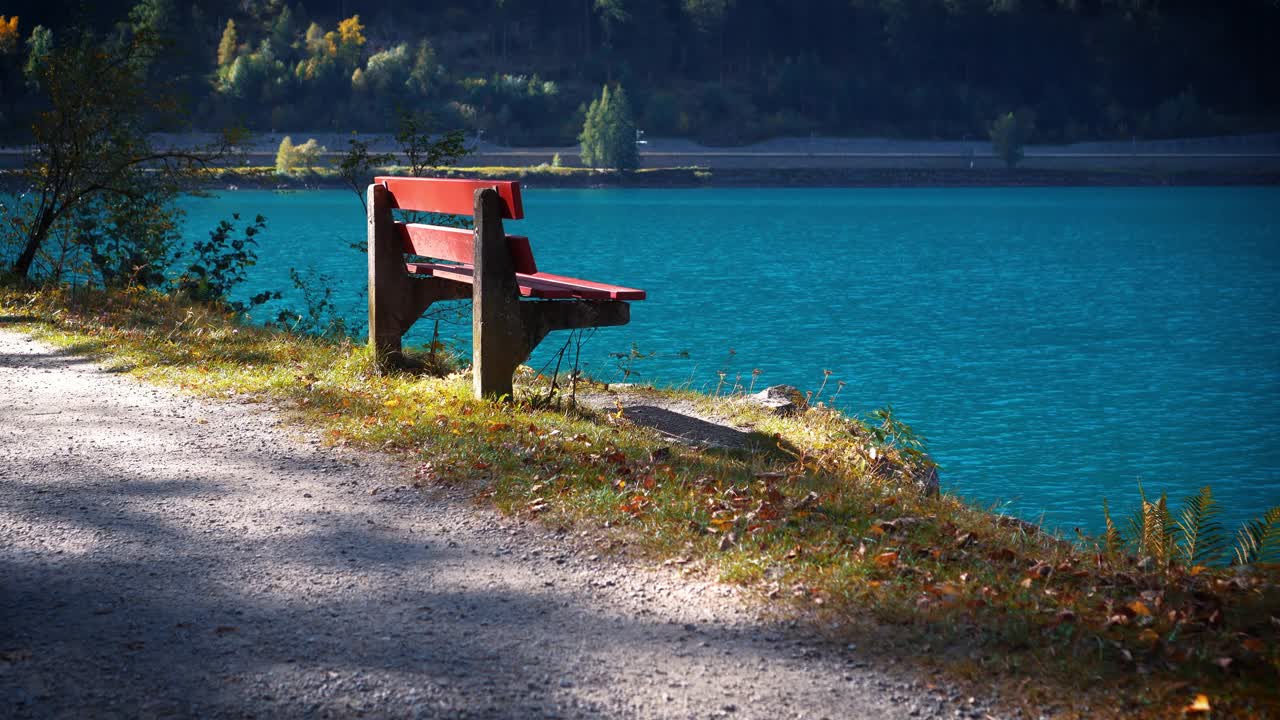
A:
x,y
166,556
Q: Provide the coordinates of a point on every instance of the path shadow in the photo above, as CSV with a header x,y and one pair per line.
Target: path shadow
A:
x,y
337,617
42,360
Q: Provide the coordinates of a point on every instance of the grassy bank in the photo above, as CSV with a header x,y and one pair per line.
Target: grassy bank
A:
x,y
827,524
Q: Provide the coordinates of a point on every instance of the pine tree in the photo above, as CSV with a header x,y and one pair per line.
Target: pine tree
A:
x,y
1007,137
608,137
590,138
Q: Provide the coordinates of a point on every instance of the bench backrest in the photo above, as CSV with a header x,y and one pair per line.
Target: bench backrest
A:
x,y
453,197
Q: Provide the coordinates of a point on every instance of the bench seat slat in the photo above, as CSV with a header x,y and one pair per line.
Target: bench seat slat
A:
x,y
528,287
450,196
456,245
616,292
539,285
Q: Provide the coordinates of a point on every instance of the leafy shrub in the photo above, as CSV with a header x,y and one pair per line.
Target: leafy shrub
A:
x,y
388,71
291,158
320,316
219,265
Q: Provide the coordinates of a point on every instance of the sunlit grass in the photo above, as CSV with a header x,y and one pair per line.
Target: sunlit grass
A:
x,y
825,522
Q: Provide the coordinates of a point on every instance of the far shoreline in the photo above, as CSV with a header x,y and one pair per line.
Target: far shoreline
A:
x,y
691,178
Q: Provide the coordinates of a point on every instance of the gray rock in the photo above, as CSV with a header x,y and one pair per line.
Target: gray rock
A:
x,y
926,478
781,400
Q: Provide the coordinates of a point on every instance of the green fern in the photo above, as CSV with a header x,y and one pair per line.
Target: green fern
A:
x,y
1259,540
1201,539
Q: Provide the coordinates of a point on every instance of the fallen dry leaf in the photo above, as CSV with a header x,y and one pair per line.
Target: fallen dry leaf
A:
x,y
1199,705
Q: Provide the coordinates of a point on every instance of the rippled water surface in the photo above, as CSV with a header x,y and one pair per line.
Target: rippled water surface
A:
x,y
1054,345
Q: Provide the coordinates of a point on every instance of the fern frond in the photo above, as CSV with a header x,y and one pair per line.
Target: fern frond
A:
x,y
1137,523
1155,528
1201,539
1136,533
1259,540
1114,539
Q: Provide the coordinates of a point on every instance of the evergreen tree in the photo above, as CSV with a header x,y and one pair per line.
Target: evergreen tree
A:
x,y
608,137
39,47
1007,139
283,31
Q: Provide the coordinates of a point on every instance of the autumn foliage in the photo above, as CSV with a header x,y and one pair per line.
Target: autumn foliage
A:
x,y
9,36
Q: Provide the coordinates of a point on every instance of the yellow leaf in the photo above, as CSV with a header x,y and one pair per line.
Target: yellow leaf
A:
x,y
721,523
392,403
1199,705
1139,608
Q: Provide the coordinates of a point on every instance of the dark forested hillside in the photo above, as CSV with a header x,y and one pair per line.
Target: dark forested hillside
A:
x,y
721,71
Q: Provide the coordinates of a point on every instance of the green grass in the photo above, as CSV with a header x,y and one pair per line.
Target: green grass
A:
x,y
825,523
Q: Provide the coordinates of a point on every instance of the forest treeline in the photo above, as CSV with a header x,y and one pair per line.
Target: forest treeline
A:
x,y
719,71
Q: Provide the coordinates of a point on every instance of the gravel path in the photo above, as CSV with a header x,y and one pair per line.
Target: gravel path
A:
x,y
167,556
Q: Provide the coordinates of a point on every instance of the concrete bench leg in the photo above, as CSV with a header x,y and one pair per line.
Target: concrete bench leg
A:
x,y
396,301
504,330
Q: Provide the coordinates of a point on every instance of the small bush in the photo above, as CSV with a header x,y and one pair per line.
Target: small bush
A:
x,y
1007,139
291,158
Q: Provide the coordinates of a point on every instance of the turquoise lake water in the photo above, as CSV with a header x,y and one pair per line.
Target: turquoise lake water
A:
x,y
1054,345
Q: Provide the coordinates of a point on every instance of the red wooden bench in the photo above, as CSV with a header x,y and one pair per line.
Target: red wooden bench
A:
x,y
494,269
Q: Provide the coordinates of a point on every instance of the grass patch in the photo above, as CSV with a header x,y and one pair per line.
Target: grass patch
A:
x,y
827,526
